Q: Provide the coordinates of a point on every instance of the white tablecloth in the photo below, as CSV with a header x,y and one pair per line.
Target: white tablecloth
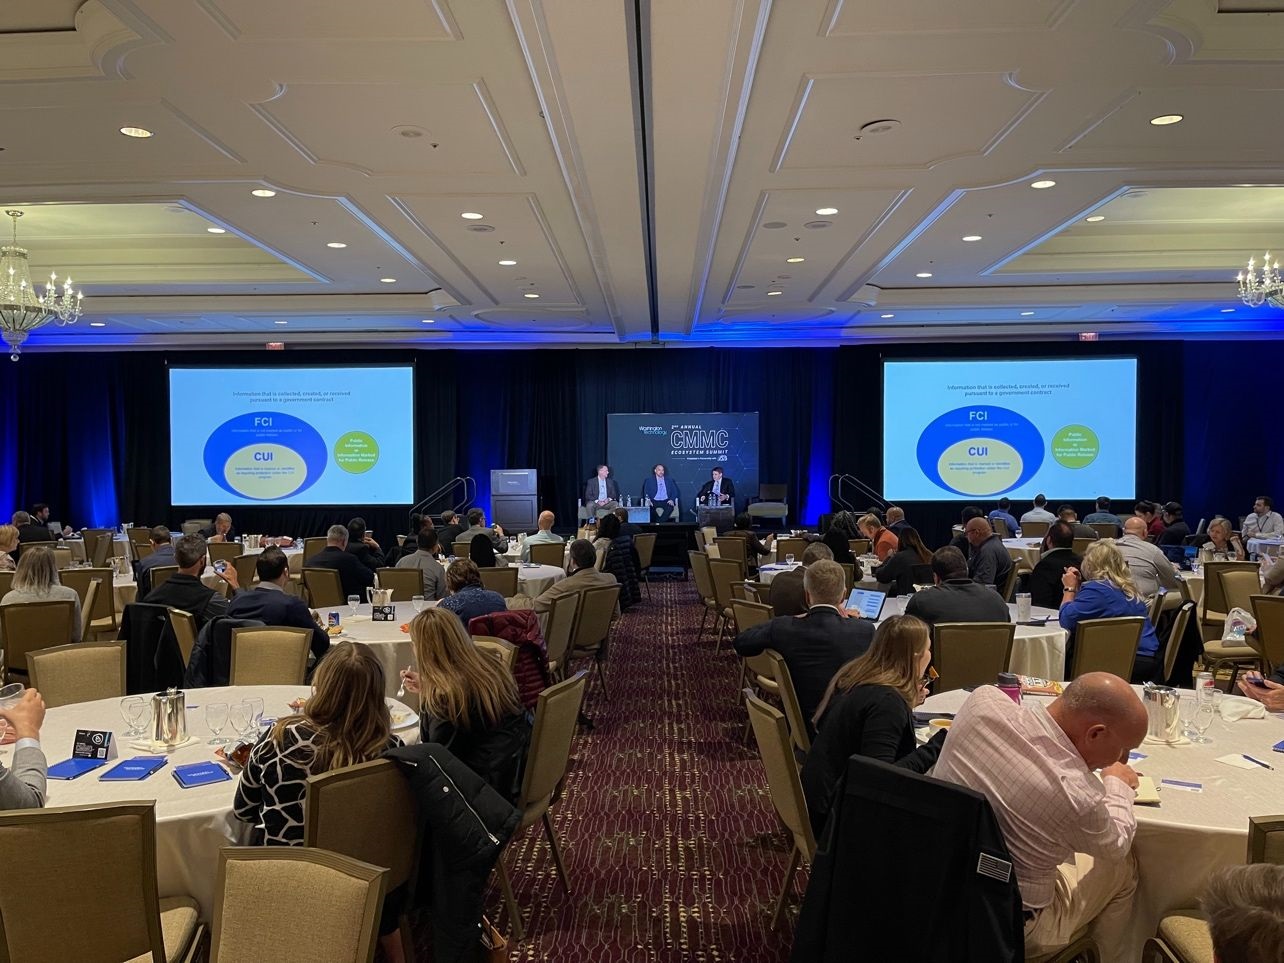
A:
x,y
532,580
390,645
1026,550
119,546
191,824
1189,835
1271,546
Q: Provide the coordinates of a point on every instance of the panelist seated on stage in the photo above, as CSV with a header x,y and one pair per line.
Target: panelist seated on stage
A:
x,y
602,490
718,490
660,493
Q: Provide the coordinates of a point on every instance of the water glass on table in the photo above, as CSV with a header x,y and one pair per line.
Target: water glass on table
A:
x,y
134,710
216,714
418,602
353,602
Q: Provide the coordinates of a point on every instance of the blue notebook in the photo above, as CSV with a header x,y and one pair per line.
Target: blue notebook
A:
x,y
200,774
133,770
72,768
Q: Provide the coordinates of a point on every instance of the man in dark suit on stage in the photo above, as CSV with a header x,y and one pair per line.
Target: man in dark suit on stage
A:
x,y
601,491
718,490
662,493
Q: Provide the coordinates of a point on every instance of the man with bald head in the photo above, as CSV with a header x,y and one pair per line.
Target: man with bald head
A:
x,y
545,534
989,562
1069,832
1150,568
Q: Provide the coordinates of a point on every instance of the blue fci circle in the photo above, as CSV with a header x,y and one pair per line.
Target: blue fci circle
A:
x,y
267,428
982,424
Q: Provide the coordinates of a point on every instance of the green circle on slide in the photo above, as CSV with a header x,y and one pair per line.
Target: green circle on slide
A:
x,y
356,452
1075,446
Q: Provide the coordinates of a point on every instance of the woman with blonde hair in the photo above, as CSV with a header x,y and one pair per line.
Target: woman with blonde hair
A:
x,y
36,580
468,700
1103,590
1221,540
869,711
8,545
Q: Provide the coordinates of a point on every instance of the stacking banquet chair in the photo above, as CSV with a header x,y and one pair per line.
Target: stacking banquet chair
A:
x,y
157,576
501,649
704,589
312,545
593,627
324,588
260,890
405,583
184,626
276,655
799,732
246,569
1269,612
748,613
1236,586
970,653
224,551
724,572
79,672
1107,645
103,618
93,895
548,553
1034,529
645,545
501,580
556,714
790,546
559,627
1212,605
29,626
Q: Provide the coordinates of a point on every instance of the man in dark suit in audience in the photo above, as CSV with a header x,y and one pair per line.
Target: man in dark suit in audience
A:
x,y
40,514
29,530
185,590
220,530
989,562
1044,583
787,595
354,578
452,528
268,602
362,544
815,645
162,554
955,597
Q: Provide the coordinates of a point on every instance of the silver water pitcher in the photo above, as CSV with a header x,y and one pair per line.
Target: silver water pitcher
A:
x,y
169,718
1163,712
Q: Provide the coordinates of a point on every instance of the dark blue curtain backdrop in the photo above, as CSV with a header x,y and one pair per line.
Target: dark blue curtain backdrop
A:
x,y
89,433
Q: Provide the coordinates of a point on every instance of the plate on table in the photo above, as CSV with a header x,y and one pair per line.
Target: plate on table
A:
x,y
402,716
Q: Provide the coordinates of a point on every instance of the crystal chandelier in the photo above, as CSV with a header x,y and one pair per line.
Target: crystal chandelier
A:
x,y
22,307
1255,288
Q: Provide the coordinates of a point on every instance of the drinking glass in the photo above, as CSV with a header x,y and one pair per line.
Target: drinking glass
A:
x,y
1204,713
241,716
353,602
789,559
216,719
133,710
418,602
256,710
1186,713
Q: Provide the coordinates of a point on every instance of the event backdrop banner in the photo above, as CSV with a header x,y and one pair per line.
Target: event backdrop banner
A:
x,y
690,445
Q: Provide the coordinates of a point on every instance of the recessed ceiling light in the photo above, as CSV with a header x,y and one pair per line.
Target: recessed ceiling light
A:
x,y
1026,314
335,244
1228,310
887,315
215,230
530,295
772,294
281,322
471,216
923,274
1043,185
1166,120
1095,219
428,321
794,260
508,263
971,237
263,192
826,211
136,132
387,280
98,324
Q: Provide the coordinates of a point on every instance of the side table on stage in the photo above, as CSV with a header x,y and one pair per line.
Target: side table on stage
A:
x,y
720,517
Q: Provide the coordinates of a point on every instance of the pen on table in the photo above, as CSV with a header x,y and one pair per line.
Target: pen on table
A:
x,y
1256,761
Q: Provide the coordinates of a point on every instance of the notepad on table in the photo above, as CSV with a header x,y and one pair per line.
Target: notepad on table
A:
x,y
1147,792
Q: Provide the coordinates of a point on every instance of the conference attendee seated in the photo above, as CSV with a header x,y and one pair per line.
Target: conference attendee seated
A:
x,y
815,645
452,528
626,526
29,530
36,580
424,558
1149,566
1044,583
1270,691
1068,831
787,595
22,785
343,723
868,710
838,537
1104,589
185,590
1244,906
1264,522
989,563
543,536
8,546
895,518
960,540
1222,541
882,541
220,530
1067,514
468,701
742,528
466,597
268,602
396,552
601,491
718,490
661,493
41,514
621,559
581,574
354,577
1004,512
1176,530
482,552
955,597
1039,513
1103,515
897,575
362,546
162,554
477,526
1148,512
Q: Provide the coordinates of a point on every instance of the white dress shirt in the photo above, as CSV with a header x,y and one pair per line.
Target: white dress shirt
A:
x,y
1263,526
601,489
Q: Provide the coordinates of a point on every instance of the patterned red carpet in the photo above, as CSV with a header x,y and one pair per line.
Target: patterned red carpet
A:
x,y
668,833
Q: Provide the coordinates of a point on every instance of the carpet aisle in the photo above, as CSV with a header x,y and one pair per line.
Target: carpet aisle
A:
x,y
670,841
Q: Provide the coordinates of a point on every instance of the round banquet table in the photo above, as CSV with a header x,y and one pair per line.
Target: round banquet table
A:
x,y
1025,550
119,547
191,824
533,580
390,645
1190,835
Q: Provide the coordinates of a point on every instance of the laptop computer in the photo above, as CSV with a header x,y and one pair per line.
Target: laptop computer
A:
x,y
55,527
867,602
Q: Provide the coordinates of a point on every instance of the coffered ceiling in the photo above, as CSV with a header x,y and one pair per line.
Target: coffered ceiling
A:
x,y
657,170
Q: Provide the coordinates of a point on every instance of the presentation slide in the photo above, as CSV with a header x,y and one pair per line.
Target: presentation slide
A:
x,y
292,436
689,445
980,428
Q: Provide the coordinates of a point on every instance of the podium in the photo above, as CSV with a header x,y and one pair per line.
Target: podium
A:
x,y
719,517
514,498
